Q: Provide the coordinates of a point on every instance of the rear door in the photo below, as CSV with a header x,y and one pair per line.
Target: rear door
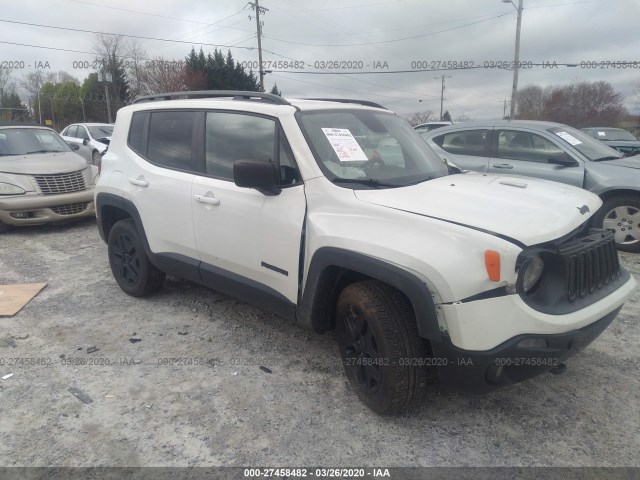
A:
x,y
527,153
467,148
159,176
239,230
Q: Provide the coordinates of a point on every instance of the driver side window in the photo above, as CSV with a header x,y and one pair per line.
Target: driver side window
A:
x,y
525,146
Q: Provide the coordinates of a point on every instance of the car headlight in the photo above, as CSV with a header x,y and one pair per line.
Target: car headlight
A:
x,y
532,272
9,189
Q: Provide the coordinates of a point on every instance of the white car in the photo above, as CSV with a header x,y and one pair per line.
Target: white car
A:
x,y
96,136
337,215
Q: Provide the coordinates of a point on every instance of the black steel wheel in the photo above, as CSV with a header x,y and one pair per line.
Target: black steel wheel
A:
x,y
131,268
382,354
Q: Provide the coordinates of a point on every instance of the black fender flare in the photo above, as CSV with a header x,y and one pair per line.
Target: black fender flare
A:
x,y
313,308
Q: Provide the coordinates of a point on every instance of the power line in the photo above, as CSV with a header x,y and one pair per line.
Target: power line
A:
x,y
149,14
122,35
347,7
386,41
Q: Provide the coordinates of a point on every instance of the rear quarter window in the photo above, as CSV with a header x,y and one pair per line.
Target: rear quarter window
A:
x,y
136,133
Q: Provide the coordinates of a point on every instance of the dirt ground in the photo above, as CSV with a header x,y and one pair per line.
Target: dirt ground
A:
x,y
176,381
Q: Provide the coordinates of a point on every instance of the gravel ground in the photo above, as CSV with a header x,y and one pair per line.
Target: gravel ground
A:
x,y
225,410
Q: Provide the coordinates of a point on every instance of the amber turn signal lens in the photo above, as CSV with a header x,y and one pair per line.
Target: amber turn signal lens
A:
x,y
492,262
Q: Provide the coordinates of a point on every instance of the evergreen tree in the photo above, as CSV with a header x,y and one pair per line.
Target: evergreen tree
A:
x,y
274,90
217,72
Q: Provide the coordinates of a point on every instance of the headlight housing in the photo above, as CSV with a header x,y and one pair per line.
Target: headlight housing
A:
x,y
10,189
531,272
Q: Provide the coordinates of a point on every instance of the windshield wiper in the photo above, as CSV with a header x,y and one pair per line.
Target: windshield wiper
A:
x,y
44,151
366,181
602,159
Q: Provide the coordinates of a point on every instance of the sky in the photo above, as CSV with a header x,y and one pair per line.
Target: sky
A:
x,y
378,46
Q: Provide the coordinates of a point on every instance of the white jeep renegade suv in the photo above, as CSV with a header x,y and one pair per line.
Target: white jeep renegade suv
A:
x,y
336,214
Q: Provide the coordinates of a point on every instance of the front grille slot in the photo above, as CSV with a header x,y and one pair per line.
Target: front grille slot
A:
x,y
60,183
591,265
70,209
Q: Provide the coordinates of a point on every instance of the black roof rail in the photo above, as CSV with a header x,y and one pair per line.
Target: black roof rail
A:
x,y
234,94
366,103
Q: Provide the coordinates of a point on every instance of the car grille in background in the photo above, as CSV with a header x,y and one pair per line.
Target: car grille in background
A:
x,y
70,209
592,267
60,183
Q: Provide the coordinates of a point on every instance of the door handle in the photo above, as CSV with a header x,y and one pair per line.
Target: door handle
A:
x,y
140,182
502,165
207,200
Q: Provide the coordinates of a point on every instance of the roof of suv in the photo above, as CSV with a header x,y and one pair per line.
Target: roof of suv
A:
x,y
231,97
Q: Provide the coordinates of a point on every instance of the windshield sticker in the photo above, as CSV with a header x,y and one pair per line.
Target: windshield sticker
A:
x,y
345,145
567,137
602,134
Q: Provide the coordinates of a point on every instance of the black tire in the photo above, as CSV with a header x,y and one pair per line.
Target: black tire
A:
x,y
131,268
378,338
621,214
4,227
95,158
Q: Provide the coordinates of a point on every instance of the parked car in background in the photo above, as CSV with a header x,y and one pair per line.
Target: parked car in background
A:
x,y
42,179
427,127
554,152
617,138
97,136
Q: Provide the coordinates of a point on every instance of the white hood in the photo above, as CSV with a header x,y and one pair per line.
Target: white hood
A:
x,y
528,210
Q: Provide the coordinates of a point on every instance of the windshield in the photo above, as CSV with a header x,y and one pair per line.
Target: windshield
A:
x,y
26,141
614,134
591,148
100,131
367,149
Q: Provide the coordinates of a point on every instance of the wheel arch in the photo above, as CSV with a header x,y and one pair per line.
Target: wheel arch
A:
x,y
111,209
332,269
609,194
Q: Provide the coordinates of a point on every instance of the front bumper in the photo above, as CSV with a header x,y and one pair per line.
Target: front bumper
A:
x,y
511,361
41,209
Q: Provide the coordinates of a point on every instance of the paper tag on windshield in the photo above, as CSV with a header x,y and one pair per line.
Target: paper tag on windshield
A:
x,y
344,144
567,137
602,134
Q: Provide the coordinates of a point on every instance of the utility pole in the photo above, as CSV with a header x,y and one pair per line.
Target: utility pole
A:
x,y
516,66
106,78
442,92
259,10
504,109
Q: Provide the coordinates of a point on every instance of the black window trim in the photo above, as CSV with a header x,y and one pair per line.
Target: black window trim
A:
x,y
198,141
276,143
144,154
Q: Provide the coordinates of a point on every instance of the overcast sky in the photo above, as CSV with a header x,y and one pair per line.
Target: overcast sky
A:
x,y
384,35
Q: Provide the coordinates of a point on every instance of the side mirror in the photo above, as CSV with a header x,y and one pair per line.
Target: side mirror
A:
x,y
563,160
85,142
258,175
452,167
74,146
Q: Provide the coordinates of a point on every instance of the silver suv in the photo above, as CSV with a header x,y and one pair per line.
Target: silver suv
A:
x,y
554,152
42,179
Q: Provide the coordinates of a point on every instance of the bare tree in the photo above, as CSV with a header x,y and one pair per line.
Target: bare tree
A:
x,y
531,101
421,117
585,104
32,83
636,99
136,58
160,75
5,80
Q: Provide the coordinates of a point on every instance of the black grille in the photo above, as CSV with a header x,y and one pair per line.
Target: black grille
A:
x,y
592,263
60,183
70,209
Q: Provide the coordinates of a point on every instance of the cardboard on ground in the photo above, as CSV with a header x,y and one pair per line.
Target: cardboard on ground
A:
x,y
14,297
